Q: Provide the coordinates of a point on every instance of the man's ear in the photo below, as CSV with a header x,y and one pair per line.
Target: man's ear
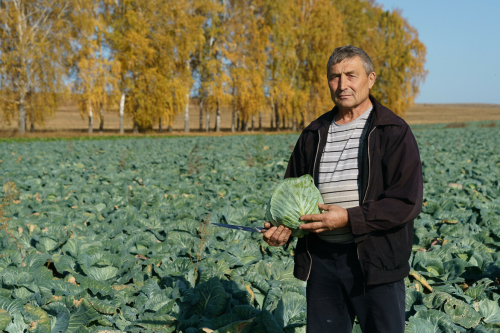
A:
x,y
371,79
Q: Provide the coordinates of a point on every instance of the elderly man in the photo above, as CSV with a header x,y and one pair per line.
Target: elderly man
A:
x,y
365,162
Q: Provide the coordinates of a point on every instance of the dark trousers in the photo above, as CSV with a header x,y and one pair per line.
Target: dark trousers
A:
x,y
335,294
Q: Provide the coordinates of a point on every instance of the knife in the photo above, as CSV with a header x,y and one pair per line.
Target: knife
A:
x,y
238,227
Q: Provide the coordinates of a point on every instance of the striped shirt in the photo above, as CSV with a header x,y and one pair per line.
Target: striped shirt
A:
x,y
338,171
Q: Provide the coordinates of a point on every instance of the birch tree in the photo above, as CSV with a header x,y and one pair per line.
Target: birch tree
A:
x,y
33,44
214,86
282,57
318,32
132,31
95,74
246,50
399,62
397,54
186,21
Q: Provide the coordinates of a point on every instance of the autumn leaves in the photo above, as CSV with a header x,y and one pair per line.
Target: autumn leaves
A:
x,y
147,59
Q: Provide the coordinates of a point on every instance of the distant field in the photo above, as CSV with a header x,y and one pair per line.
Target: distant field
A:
x,y
446,113
68,121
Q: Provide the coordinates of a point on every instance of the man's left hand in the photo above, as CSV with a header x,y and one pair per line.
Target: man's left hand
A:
x,y
334,217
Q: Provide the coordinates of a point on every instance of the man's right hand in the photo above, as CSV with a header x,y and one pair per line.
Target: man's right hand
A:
x,y
276,236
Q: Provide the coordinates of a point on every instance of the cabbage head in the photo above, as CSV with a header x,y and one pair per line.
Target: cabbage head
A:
x,y
291,199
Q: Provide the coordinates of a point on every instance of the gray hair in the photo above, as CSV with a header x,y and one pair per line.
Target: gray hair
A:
x,y
349,52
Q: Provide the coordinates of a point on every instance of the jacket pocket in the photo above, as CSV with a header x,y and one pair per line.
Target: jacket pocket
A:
x,y
386,251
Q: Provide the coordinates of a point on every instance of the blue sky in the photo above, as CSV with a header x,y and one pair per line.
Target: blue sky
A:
x,y
463,48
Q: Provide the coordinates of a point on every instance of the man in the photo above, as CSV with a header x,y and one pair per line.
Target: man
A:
x,y
365,162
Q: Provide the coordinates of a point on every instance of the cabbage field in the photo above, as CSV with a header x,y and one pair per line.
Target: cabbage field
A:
x,y
113,235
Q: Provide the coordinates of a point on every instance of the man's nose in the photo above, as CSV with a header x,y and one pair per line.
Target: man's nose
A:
x,y
343,82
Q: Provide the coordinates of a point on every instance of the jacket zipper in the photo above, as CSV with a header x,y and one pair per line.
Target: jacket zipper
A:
x,y
317,151
368,142
364,198
307,238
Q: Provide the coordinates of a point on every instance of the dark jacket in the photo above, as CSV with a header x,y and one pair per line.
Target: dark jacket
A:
x,y
390,191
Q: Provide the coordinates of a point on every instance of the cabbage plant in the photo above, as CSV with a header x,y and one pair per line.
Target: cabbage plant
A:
x,y
291,199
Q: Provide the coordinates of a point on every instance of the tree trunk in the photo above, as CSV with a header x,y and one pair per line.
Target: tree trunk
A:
x,y
260,120
22,113
277,117
201,114
186,115
233,120
238,120
207,125
122,109
170,129
101,124
283,121
272,120
302,121
217,119
136,127
32,130
91,119
159,125
294,123
253,123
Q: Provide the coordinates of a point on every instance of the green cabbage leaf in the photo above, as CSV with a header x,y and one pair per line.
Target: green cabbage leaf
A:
x,y
291,199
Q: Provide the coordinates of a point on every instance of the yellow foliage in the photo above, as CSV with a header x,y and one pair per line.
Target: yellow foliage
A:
x,y
33,46
255,55
153,41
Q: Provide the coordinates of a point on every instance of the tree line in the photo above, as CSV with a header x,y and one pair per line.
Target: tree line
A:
x,y
147,59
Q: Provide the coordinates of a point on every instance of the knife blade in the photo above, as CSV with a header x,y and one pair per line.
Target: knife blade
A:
x,y
242,228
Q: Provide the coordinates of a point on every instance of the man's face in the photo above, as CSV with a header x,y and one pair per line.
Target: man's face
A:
x,y
349,84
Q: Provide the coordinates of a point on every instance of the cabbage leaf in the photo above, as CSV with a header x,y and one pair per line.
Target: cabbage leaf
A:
x,y
291,199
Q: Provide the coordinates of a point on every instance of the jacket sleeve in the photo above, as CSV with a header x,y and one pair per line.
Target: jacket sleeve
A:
x,y
296,163
401,199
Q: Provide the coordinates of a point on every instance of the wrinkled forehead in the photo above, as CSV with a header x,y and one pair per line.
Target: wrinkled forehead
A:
x,y
347,65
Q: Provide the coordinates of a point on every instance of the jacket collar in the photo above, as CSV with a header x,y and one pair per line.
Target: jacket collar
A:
x,y
382,117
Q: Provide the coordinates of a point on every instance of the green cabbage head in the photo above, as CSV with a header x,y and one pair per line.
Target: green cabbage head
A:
x,y
293,198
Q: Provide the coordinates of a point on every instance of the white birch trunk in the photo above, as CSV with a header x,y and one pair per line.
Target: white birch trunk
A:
x,y
217,119
122,109
22,114
207,125
233,126
186,115
201,114
91,119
